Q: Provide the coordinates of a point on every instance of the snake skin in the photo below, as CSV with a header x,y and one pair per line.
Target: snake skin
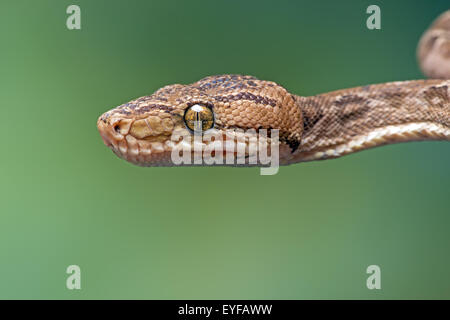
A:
x,y
319,127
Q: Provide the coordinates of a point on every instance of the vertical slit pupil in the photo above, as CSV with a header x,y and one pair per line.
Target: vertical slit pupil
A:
x,y
198,125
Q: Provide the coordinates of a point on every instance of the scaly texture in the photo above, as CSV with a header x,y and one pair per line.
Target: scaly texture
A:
x,y
311,128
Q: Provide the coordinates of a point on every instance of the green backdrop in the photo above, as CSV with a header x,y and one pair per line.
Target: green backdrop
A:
x,y
203,233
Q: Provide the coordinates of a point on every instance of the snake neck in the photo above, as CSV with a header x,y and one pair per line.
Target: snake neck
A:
x,y
351,120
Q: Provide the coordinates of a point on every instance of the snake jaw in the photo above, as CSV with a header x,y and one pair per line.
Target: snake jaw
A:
x,y
118,135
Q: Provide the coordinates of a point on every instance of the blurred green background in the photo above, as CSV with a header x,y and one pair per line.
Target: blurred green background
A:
x,y
204,233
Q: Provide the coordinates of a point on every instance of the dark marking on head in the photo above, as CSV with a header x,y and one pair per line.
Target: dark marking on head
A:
x,y
224,81
293,144
291,141
163,107
247,96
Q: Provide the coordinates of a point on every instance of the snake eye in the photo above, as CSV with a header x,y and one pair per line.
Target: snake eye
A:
x,y
201,115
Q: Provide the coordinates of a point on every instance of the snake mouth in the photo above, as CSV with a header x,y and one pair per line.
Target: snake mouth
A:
x,y
142,152
159,150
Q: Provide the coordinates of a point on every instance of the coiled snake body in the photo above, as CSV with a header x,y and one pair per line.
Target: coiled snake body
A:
x,y
324,126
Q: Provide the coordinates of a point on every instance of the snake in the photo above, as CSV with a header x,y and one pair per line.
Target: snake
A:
x,y
319,127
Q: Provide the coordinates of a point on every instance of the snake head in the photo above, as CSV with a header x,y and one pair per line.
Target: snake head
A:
x,y
146,130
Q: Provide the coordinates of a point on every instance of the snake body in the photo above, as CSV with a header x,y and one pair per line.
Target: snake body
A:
x,y
318,127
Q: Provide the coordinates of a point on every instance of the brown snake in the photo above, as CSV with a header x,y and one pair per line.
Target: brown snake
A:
x,y
324,126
